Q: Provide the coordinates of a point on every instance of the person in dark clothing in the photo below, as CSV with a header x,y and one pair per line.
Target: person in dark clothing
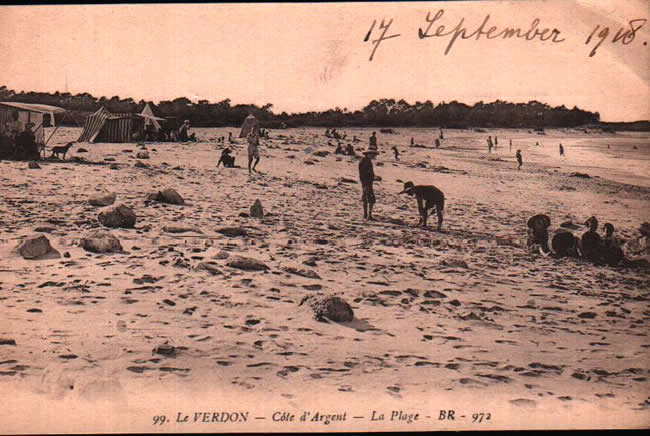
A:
x,y
610,250
339,149
372,141
520,160
26,147
538,234
349,150
367,178
428,197
226,158
395,152
564,243
590,241
561,150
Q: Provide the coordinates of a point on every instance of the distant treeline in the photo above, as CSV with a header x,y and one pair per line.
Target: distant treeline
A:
x,y
636,126
379,113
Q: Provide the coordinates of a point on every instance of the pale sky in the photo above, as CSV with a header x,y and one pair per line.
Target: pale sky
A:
x,y
303,57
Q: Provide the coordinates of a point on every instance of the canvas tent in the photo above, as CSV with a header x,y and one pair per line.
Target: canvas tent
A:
x,y
104,126
42,115
150,119
250,123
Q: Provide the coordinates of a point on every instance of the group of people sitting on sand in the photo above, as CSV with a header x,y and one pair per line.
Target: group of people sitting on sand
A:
x,y
17,141
332,133
574,240
167,133
348,151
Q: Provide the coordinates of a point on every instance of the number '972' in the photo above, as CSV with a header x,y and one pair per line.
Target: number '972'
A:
x,y
480,417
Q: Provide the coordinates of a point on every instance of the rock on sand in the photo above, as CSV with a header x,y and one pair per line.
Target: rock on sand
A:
x,y
102,200
233,231
329,307
257,211
100,241
167,195
246,263
34,247
117,216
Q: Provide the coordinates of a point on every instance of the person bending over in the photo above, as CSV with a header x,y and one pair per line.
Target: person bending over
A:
x,y
428,197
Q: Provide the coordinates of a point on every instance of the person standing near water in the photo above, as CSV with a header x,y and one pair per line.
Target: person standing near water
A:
x,y
490,145
520,160
511,145
367,178
561,150
496,142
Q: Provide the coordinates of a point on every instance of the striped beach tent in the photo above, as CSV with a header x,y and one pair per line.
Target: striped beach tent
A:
x,y
104,126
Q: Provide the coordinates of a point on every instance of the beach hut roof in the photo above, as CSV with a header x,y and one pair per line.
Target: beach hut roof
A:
x,y
33,107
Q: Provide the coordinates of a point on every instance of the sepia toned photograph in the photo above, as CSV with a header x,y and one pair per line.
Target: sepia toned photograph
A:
x,y
324,217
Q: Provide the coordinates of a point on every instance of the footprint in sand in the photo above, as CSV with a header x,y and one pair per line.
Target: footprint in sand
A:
x,y
394,391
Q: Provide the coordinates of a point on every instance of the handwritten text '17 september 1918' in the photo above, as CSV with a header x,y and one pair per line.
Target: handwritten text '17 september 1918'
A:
x,y
435,27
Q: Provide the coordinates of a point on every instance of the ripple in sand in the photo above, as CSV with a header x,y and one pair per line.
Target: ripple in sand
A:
x,y
524,402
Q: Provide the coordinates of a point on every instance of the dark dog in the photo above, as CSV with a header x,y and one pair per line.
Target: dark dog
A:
x,y
61,149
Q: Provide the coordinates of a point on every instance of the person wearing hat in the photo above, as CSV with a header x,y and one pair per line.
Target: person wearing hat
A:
x,y
367,177
183,130
427,196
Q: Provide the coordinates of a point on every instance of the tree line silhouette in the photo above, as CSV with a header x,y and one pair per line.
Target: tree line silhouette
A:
x,y
379,113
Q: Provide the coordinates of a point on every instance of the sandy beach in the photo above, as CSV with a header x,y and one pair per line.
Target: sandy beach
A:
x,y
463,319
